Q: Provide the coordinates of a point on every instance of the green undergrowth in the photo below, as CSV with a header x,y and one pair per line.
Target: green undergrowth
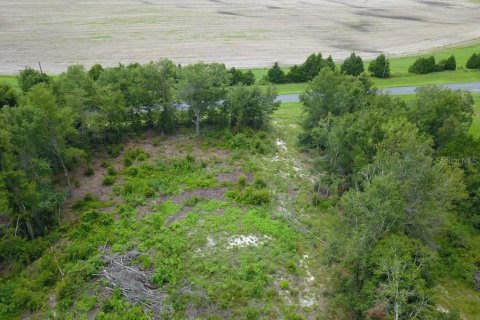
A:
x,y
221,248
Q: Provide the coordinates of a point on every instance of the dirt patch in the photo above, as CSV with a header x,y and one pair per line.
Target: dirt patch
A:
x,y
134,283
179,216
210,193
233,176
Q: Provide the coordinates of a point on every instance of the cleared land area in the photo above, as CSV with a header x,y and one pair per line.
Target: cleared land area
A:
x,y
243,33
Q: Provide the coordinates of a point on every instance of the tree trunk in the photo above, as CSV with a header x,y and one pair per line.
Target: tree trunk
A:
x,y
65,171
197,121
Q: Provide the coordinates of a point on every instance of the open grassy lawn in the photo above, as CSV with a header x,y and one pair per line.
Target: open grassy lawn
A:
x,y
399,70
12,80
475,129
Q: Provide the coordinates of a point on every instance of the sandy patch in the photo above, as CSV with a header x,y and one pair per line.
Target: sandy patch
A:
x,y
249,240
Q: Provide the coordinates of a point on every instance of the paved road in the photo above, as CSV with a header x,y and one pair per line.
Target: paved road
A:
x,y
469,86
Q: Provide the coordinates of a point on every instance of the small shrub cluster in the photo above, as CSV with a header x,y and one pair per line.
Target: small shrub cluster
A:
x,y
240,77
428,65
134,154
257,142
108,180
474,61
300,73
255,194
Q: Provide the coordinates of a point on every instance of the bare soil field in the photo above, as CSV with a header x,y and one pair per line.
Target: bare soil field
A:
x,y
242,33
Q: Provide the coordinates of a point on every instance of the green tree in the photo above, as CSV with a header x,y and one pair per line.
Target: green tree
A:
x,y
239,77
380,67
473,62
399,271
441,113
331,93
202,87
352,65
275,74
447,64
56,126
250,106
8,95
29,77
95,71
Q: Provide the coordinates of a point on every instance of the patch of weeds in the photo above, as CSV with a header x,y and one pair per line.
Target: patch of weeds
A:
x,y
89,172
242,181
88,202
114,150
108,180
250,195
134,154
284,284
111,171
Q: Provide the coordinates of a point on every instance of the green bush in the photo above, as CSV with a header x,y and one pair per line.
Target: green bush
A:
x,y
114,150
242,181
250,195
474,61
447,64
423,66
135,154
108,180
284,284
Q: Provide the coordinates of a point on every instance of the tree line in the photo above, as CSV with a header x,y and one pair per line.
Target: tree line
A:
x,y
405,180
354,66
55,123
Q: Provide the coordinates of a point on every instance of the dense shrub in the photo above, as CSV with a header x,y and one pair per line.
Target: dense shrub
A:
x,y
239,77
353,65
474,61
423,66
95,71
8,95
428,65
108,180
447,64
29,77
276,75
380,67
310,68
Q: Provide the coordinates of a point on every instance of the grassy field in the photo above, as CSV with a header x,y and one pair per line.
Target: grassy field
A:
x,y
12,80
399,70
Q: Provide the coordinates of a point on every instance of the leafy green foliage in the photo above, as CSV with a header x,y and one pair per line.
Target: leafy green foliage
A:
x,y
428,65
352,65
396,197
310,68
29,77
380,67
8,95
251,107
474,61
423,66
447,64
239,77
202,87
95,71
275,74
